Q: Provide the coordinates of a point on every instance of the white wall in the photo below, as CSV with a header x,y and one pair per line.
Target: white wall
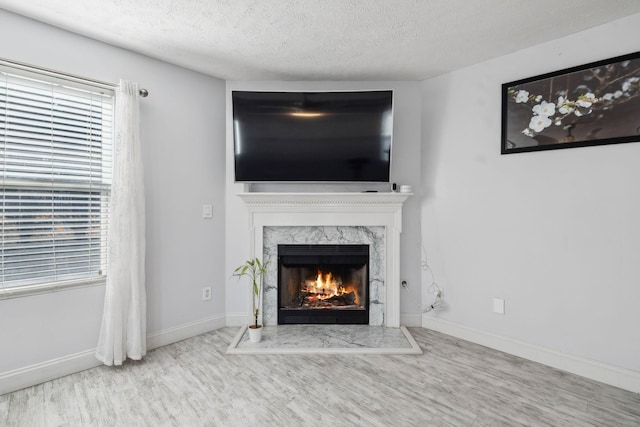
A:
x,y
183,153
405,170
555,233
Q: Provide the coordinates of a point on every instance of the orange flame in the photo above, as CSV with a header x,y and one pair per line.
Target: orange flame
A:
x,y
326,286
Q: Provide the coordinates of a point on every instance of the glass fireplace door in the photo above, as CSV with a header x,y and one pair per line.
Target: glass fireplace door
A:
x,y
323,284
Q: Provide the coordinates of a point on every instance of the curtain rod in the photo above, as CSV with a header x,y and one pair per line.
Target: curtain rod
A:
x,y
66,76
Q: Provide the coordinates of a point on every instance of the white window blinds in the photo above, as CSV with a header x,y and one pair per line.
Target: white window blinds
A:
x,y
55,177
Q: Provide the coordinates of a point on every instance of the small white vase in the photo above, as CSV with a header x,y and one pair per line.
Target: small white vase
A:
x,y
255,334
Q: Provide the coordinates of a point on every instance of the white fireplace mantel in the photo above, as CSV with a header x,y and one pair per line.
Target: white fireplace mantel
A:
x,y
335,209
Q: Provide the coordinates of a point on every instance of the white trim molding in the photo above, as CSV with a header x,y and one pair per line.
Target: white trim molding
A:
x,y
609,374
238,319
335,209
411,320
46,371
184,331
51,369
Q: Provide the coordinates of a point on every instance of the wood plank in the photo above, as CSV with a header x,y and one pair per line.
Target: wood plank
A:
x,y
193,382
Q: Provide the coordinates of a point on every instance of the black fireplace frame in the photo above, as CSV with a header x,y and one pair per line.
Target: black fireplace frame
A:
x,y
321,254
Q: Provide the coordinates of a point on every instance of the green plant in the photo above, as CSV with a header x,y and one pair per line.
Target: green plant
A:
x,y
255,270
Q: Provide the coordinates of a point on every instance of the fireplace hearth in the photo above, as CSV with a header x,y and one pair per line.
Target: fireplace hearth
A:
x,y
323,284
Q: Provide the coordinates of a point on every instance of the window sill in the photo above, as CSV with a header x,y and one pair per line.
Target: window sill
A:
x,y
45,288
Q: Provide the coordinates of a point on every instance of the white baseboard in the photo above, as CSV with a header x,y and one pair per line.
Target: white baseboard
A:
x,y
609,374
237,319
46,371
36,374
411,320
184,331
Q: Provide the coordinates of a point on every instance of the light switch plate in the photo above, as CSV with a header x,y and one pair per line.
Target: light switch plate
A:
x,y
207,211
498,305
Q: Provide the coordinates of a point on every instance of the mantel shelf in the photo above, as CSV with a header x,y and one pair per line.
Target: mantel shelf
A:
x,y
326,199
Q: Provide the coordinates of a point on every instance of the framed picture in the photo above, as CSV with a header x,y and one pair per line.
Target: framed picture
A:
x,y
593,104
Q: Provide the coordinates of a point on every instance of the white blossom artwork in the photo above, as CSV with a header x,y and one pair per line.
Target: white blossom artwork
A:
x,y
594,104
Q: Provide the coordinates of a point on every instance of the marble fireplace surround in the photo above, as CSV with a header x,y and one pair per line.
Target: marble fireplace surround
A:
x,y
319,235
369,218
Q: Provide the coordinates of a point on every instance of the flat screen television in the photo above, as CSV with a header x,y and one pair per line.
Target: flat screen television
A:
x,y
312,136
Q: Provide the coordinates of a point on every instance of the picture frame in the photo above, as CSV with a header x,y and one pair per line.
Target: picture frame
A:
x,y
592,104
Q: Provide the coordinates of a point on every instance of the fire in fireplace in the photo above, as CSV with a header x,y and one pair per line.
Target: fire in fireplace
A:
x,y
323,284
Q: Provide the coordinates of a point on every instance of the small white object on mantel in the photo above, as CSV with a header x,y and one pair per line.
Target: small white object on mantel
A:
x,y
367,209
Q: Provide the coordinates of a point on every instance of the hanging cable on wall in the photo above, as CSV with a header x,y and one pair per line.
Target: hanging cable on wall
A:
x,y
438,303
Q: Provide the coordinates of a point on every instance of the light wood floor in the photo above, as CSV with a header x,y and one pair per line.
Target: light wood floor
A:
x,y
194,383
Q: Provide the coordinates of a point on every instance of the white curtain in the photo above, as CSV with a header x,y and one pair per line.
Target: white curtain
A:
x,y
124,325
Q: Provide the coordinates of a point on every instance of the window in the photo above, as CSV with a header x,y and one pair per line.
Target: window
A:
x,y
56,140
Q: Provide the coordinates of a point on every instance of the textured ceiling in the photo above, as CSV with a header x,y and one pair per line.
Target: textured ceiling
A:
x,y
323,39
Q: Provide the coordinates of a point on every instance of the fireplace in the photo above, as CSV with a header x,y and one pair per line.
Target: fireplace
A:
x,y
323,284
374,219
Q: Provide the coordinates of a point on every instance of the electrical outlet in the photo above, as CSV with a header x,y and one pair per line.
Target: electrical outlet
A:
x,y
206,293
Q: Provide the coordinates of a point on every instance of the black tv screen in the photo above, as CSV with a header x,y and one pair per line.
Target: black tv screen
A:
x,y
312,136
